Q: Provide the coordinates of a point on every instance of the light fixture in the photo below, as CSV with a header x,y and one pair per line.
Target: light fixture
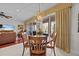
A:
x,y
38,13
3,15
39,21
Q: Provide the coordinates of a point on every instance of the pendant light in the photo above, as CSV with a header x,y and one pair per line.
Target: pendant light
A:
x,y
38,14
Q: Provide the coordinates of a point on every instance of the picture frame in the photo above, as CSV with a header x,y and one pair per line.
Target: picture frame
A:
x,y
20,27
78,22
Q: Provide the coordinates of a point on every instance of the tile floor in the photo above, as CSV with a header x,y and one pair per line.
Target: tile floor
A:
x,y
16,50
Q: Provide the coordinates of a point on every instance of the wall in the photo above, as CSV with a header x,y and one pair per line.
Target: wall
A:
x,y
74,30
11,22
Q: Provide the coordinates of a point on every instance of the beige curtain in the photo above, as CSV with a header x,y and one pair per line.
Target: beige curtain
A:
x,y
63,28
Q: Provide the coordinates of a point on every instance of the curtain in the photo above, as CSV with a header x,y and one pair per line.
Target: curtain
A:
x,y
63,17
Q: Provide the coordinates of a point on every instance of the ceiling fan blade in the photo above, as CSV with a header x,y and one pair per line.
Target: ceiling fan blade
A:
x,y
8,17
3,15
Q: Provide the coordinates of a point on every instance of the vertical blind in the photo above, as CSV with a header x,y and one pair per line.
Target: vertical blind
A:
x,y
63,28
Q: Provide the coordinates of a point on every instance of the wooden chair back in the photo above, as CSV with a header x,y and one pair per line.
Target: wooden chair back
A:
x,y
53,40
24,38
36,46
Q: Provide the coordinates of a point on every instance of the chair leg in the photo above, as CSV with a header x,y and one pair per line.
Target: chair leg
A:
x,y
51,51
54,51
23,51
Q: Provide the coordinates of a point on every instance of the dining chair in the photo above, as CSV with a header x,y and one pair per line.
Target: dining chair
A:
x,y
25,42
36,46
51,43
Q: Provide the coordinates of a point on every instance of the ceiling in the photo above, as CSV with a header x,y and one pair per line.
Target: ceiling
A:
x,y
23,11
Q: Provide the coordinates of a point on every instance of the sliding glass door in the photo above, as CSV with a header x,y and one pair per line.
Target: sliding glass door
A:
x,y
49,24
52,24
45,26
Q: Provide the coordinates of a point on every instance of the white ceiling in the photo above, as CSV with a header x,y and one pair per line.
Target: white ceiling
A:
x,y
23,11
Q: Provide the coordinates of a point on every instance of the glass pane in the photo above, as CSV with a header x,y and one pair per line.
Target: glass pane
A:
x,y
52,27
45,28
52,23
8,27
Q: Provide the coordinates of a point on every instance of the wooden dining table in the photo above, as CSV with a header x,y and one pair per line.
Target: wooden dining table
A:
x,y
39,36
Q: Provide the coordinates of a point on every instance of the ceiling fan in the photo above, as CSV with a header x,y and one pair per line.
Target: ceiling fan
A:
x,y
3,15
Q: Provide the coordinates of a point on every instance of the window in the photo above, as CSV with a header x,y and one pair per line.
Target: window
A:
x,y
52,22
8,27
52,27
45,25
45,28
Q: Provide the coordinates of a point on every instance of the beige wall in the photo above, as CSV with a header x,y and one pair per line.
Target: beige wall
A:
x,y
74,30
